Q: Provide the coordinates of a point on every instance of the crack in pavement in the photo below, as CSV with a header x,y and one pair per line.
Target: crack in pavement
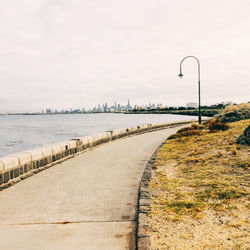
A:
x,y
66,222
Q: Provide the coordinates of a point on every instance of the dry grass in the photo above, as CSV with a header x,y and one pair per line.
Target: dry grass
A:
x,y
198,179
231,108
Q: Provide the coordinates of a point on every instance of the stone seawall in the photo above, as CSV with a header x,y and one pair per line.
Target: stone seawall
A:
x,y
19,166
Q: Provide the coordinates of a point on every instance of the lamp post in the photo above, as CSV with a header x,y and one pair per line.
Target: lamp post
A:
x,y
199,94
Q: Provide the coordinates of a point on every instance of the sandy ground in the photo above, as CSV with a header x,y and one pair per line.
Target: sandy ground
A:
x,y
213,231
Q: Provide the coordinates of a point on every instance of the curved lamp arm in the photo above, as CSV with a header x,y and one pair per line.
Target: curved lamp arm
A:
x,y
181,75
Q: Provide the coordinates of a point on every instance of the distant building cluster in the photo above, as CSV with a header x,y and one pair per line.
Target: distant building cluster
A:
x,y
192,105
117,107
105,108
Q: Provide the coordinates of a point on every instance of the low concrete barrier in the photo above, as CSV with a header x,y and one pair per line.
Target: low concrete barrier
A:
x,y
10,167
25,162
20,164
56,151
84,143
36,157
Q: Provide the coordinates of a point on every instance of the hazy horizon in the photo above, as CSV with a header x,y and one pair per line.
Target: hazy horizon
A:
x,y
75,54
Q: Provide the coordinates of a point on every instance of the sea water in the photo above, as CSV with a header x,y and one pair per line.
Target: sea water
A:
x,y
22,132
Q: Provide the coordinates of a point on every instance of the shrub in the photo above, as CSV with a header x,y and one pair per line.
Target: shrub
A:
x,y
235,113
185,132
191,132
215,125
245,137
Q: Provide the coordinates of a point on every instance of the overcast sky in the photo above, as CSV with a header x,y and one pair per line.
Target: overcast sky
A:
x,y
78,53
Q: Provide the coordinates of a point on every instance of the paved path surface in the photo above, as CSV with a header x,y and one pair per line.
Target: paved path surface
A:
x,y
87,202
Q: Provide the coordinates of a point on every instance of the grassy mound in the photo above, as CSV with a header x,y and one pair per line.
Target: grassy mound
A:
x,y
200,183
235,113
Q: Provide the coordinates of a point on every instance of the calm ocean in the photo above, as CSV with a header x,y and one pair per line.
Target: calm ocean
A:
x,y
22,132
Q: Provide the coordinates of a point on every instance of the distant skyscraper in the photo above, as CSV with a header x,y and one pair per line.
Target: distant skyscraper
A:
x,y
128,106
105,107
48,111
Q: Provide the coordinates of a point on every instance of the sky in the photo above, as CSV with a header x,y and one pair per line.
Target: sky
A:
x,y
63,54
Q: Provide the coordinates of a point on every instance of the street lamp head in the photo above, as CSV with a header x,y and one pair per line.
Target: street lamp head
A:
x,y
180,75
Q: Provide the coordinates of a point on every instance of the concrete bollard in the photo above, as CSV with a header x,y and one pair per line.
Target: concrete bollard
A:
x,y
119,133
10,167
85,142
36,157
25,162
123,132
47,154
65,148
116,134
72,147
143,128
133,130
105,137
56,151
95,139
91,141
68,147
78,144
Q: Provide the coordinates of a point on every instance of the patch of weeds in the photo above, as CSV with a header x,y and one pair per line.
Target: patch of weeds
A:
x,y
229,194
243,164
195,129
217,191
182,207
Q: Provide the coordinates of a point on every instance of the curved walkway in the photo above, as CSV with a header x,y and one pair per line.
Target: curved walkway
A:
x,y
87,202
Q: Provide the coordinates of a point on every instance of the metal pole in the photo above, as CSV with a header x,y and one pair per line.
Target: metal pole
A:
x,y
199,103
199,92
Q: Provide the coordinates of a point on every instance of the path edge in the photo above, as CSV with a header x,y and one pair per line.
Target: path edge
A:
x,y
143,241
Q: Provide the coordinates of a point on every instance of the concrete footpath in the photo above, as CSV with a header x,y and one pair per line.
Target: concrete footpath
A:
x,y
87,202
